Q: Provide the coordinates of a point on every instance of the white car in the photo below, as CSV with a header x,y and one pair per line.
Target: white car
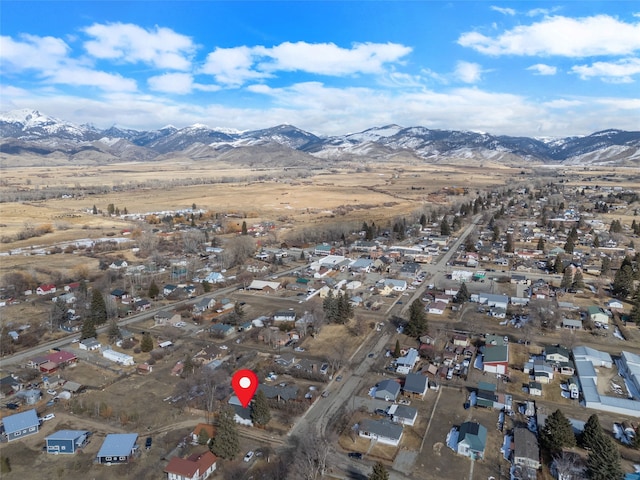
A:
x,y
52,392
224,347
249,456
298,349
48,416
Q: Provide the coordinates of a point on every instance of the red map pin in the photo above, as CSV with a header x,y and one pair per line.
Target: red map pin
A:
x,y
245,384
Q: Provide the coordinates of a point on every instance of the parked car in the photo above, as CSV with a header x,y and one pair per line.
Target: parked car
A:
x,y
12,406
48,416
356,455
52,392
249,456
148,442
224,347
339,378
298,349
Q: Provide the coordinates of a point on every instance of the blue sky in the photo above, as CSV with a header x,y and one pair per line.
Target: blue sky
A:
x,y
330,67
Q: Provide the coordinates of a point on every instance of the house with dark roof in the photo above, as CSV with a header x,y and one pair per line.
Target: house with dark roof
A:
x,y
472,440
221,329
117,448
66,442
382,431
387,390
21,425
198,466
415,385
556,354
526,452
278,392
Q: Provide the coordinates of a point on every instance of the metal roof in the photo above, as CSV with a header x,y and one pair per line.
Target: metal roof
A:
x,y
415,383
20,421
66,435
118,445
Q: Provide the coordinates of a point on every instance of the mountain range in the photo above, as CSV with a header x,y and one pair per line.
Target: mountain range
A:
x,y
29,132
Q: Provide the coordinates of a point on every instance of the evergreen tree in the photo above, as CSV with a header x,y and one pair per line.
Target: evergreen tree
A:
x,y
567,278
203,437
496,233
114,332
457,223
592,430
417,324
635,310
153,290
557,433
541,244
596,241
225,443
569,245
206,287
509,243
603,462
330,307
463,294
396,351
146,344
59,313
260,414
623,282
379,472
88,329
98,313
578,279
244,228
95,210
302,257
558,267
423,220
187,366
605,267
445,229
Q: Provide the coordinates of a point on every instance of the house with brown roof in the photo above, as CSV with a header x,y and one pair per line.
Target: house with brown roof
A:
x,y
197,431
195,467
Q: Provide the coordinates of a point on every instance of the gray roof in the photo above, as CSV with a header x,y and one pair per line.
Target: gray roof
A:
x,y
415,383
289,392
118,445
20,421
382,428
66,435
390,386
525,444
496,353
403,411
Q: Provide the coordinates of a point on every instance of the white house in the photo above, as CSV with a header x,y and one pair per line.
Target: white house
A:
x,y
405,364
437,308
396,285
118,357
382,431
402,414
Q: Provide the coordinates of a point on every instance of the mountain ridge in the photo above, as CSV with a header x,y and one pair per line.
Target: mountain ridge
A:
x,y
29,131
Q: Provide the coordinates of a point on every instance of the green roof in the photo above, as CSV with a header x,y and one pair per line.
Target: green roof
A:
x,y
496,353
302,280
474,435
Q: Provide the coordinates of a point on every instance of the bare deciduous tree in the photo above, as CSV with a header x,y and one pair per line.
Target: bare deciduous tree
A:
x,y
311,457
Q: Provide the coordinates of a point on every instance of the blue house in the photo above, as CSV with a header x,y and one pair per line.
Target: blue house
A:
x,y
21,425
117,448
66,441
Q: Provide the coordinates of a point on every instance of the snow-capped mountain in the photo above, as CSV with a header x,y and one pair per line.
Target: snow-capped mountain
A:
x,y
29,131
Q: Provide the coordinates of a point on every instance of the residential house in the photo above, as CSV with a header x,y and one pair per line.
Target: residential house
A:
x,y
67,298
535,389
141,305
526,452
323,249
10,385
556,354
383,431
437,308
387,390
614,304
62,358
118,264
198,466
165,317
215,277
410,270
460,340
119,295
222,329
203,305
472,440
241,415
168,289
66,441
89,344
598,314
394,285
206,354
572,324
144,368
117,448
264,286
361,265
197,432
280,393
416,385
21,425
403,414
406,363
46,289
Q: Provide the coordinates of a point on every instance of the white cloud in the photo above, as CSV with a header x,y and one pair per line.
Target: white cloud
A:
x,y
232,66
180,83
536,12
542,69
468,72
49,57
235,66
621,71
32,52
160,47
502,10
562,36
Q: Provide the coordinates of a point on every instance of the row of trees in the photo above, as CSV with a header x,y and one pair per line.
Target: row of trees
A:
x,y
603,461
